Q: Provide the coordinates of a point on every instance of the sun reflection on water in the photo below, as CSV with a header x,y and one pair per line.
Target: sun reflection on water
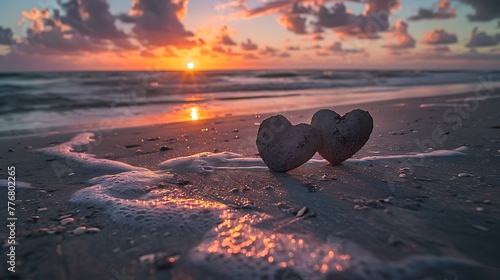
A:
x,y
194,113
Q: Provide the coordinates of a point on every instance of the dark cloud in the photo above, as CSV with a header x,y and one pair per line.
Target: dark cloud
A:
x,y
292,48
269,51
440,36
337,47
227,41
318,37
6,37
224,38
321,53
85,26
56,40
284,55
337,16
294,22
249,45
442,10
482,39
403,39
374,19
485,9
49,36
298,15
91,18
444,49
157,22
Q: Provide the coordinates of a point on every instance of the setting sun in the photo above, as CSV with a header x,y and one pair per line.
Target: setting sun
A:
x,y
190,65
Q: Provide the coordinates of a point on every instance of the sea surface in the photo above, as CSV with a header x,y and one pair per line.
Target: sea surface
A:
x,y
62,101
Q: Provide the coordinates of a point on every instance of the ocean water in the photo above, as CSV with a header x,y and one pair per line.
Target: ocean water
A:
x,y
50,102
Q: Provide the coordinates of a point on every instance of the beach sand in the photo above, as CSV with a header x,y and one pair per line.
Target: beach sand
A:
x,y
397,210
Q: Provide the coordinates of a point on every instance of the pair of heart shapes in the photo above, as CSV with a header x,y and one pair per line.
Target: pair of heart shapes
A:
x,y
283,146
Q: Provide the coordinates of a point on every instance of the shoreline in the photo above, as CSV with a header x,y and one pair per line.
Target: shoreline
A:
x,y
213,108
382,217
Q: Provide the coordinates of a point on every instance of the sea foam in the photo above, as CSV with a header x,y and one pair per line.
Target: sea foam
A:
x,y
234,242
82,142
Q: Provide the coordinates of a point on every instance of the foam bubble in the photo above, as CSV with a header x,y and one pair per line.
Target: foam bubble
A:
x,y
145,198
82,142
205,163
438,153
241,244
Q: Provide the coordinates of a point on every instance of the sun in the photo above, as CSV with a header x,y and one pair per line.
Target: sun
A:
x,y
190,65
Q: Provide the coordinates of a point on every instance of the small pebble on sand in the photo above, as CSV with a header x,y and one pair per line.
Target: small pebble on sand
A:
x,y
79,230
481,228
92,230
67,221
301,212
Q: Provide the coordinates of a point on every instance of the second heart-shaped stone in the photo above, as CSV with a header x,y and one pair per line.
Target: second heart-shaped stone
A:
x,y
342,137
283,146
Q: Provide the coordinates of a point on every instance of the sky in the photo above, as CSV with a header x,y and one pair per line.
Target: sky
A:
x,y
60,35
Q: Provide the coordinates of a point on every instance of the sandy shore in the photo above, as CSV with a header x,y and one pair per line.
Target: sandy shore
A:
x,y
406,217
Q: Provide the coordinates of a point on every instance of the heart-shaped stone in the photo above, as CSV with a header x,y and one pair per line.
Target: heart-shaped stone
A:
x,y
283,146
342,137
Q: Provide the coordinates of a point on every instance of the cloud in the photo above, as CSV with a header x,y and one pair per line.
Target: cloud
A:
x,y
224,38
485,9
442,49
337,47
374,19
269,51
91,18
157,22
269,8
443,10
481,39
146,53
294,22
403,39
440,36
49,36
284,55
6,37
292,48
250,56
298,15
249,45
337,16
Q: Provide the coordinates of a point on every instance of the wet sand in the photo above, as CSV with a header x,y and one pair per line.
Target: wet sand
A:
x,y
403,217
